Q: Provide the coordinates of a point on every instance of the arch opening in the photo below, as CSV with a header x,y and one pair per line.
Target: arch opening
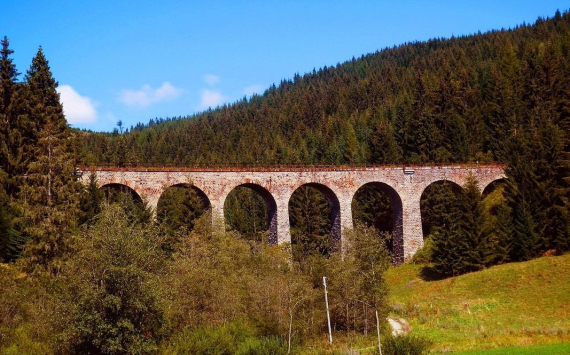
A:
x,y
180,206
131,201
439,204
314,216
378,205
251,210
493,186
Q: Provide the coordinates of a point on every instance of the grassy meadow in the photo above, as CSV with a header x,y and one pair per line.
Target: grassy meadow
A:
x,y
510,305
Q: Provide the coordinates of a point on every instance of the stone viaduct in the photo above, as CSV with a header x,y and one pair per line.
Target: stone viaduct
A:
x,y
404,186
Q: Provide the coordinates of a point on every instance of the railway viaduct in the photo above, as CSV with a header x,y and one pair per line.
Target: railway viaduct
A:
x,y
404,186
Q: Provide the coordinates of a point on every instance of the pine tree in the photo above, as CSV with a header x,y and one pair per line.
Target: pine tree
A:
x,y
351,147
310,223
91,201
440,220
470,244
8,80
50,193
382,144
11,133
522,201
9,241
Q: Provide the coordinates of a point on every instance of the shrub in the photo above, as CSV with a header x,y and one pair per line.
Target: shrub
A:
x,y
262,346
405,345
424,254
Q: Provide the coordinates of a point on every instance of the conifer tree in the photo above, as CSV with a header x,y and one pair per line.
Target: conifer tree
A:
x,y
11,132
470,244
351,145
440,216
8,235
522,201
310,223
8,80
382,144
92,198
50,193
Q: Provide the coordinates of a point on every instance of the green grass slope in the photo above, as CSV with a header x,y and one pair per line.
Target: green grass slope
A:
x,y
518,304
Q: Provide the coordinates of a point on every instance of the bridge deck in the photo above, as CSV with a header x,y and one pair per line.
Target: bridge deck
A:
x,y
285,168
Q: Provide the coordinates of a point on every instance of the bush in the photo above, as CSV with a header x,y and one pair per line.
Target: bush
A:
x,y
111,282
405,345
262,346
204,341
424,255
233,338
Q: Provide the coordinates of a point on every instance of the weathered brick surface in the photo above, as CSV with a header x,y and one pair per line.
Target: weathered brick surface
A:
x,y
339,186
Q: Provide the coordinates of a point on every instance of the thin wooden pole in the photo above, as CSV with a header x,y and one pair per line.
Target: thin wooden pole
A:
x,y
327,304
378,331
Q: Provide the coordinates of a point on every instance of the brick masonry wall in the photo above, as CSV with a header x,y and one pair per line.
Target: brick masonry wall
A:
x,y
404,186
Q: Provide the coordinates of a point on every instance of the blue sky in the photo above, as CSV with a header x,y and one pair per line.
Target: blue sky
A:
x,y
136,60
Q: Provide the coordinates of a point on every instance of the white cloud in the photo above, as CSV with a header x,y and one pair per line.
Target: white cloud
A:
x,y
254,89
211,79
77,108
211,98
147,96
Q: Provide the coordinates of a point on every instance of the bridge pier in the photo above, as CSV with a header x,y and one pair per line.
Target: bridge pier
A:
x,y
411,228
283,227
218,222
346,223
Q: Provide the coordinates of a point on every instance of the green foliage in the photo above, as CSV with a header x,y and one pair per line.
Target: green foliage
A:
x,y
136,209
309,215
424,255
235,338
405,345
180,207
262,346
49,195
112,277
470,238
246,212
372,207
355,280
91,201
10,240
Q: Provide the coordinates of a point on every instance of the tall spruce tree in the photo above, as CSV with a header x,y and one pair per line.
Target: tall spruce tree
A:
x,y
8,83
91,202
50,194
471,244
522,200
11,135
8,235
440,207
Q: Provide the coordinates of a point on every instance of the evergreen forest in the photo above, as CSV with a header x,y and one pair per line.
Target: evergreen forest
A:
x,y
88,270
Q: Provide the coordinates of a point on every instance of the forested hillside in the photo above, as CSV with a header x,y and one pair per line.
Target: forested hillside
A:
x,y
444,100
502,96
88,270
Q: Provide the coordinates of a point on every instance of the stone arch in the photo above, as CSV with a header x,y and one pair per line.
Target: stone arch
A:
x,y
123,188
456,186
193,210
201,194
334,203
271,207
397,243
456,189
491,186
